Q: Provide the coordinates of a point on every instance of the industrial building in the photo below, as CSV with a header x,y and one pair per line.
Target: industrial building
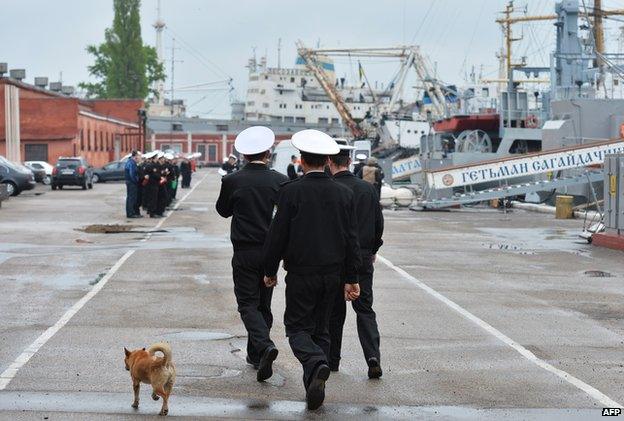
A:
x,y
39,124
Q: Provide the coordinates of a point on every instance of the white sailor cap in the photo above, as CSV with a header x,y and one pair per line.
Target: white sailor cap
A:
x,y
360,156
254,139
345,149
315,142
160,154
168,156
149,155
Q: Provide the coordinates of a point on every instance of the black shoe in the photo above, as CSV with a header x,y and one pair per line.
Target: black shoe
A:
x,y
265,368
134,216
333,367
315,394
251,363
374,369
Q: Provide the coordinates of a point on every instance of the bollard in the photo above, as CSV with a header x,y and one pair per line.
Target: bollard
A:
x,y
564,208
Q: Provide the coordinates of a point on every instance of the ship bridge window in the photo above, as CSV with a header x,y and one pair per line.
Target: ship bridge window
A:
x,y
334,121
300,119
485,92
222,127
322,120
265,105
176,127
292,79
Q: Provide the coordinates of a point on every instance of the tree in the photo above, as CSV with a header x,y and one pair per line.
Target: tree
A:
x,y
124,67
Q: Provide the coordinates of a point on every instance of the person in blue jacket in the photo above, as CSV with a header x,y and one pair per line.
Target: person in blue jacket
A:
x,y
132,185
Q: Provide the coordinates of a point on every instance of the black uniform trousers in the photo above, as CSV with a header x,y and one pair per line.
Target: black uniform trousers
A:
x,y
150,193
253,299
366,319
309,302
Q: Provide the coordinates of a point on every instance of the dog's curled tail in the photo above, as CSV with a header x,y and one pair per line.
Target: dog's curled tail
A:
x,y
164,348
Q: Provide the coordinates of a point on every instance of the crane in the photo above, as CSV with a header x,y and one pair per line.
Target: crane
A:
x,y
410,57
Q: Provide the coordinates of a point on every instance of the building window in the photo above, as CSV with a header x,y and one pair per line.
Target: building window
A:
x,y
101,140
300,119
88,139
334,121
251,103
322,120
212,153
288,119
292,79
81,140
222,127
176,127
265,105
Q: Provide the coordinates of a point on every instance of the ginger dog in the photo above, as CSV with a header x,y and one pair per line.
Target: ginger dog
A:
x,y
159,372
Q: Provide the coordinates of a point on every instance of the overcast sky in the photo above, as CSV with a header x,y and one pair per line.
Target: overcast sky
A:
x,y
217,37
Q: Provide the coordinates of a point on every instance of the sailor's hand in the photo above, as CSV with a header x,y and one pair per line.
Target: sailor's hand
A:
x,y
373,258
270,281
352,292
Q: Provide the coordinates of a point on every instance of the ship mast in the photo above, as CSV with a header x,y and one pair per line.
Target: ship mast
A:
x,y
508,20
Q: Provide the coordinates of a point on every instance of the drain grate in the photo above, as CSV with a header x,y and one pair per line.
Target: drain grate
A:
x,y
597,274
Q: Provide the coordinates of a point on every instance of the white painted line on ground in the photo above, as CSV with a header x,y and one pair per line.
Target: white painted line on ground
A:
x,y
10,373
590,390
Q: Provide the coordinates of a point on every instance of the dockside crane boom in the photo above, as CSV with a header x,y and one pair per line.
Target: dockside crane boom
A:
x,y
313,65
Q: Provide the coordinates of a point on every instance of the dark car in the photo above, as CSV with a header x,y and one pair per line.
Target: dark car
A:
x,y
16,178
40,173
74,171
113,171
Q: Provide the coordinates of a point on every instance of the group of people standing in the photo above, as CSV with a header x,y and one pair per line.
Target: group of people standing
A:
x,y
152,182
326,227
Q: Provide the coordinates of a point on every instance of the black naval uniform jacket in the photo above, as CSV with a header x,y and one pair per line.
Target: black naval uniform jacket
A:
x,y
249,195
368,210
314,229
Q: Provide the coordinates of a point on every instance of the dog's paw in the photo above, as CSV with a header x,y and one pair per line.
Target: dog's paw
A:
x,y
163,412
155,396
135,405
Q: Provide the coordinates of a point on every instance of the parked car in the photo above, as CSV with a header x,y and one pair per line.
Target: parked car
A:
x,y
16,177
42,165
112,171
38,173
72,171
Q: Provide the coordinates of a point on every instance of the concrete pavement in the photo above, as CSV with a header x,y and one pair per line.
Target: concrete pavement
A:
x,y
522,274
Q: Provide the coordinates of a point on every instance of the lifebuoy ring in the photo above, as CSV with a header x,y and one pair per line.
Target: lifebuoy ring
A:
x,y
531,121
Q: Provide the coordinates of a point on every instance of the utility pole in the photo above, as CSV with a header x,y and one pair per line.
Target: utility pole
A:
x,y
172,73
173,62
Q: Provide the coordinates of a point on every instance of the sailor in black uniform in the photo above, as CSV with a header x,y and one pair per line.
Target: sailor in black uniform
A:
x,y
249,196
150,192
314,231
370,230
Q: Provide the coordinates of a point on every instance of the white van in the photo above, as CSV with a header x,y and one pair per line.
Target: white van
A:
x,y
282,154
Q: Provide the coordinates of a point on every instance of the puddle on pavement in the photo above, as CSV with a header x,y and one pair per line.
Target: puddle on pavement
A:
x,y
198,209
197,335
201,279
534,240
206,372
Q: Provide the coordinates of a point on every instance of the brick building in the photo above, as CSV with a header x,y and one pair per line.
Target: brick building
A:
x,y
53,125
212,138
